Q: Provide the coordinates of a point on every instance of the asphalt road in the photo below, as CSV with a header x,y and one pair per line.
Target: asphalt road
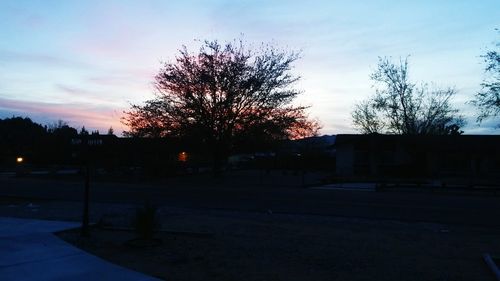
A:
x,y
280,195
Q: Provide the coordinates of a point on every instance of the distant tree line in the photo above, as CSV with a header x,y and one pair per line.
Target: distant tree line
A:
x,y
20,136
53,147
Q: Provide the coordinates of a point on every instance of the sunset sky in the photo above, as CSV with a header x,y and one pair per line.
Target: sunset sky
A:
x,y
85,61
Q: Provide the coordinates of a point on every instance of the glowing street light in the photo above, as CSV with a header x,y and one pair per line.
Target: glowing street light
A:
x,y
19,160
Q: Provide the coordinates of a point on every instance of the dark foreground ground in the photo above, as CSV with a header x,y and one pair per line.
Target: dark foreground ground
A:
x,y
228,246
248,228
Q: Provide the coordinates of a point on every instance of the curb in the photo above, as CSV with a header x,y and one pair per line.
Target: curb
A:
x,y
491,264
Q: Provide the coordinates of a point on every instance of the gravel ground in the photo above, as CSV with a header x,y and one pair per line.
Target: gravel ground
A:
x,y
216,245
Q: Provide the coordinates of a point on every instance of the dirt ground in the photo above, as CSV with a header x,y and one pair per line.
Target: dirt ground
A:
x,y
267,246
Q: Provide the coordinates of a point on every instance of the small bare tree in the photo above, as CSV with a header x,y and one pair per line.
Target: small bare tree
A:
x,y
400,107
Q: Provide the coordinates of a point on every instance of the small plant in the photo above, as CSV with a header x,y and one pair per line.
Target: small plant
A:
x,y
146,221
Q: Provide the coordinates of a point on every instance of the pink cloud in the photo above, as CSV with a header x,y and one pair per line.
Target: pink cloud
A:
x,y
81,114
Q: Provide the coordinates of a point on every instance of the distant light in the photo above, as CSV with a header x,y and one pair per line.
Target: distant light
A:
x,y
19,160
182,157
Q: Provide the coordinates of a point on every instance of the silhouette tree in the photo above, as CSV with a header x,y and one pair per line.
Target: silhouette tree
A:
x,y
19,137
56,125
111,132
18,132
366,119
61,129
400,107
84,132
220,94
488,100
57,147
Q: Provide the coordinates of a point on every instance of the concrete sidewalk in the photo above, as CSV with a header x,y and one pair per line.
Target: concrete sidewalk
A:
x,y
30,251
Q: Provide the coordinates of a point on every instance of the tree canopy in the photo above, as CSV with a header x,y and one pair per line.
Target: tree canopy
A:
x,y
399,106
19,131
488,100
221,94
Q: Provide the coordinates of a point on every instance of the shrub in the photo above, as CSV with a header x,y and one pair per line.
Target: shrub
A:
x,y
146,221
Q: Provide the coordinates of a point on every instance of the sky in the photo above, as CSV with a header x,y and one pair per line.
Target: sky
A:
x,y
85,62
